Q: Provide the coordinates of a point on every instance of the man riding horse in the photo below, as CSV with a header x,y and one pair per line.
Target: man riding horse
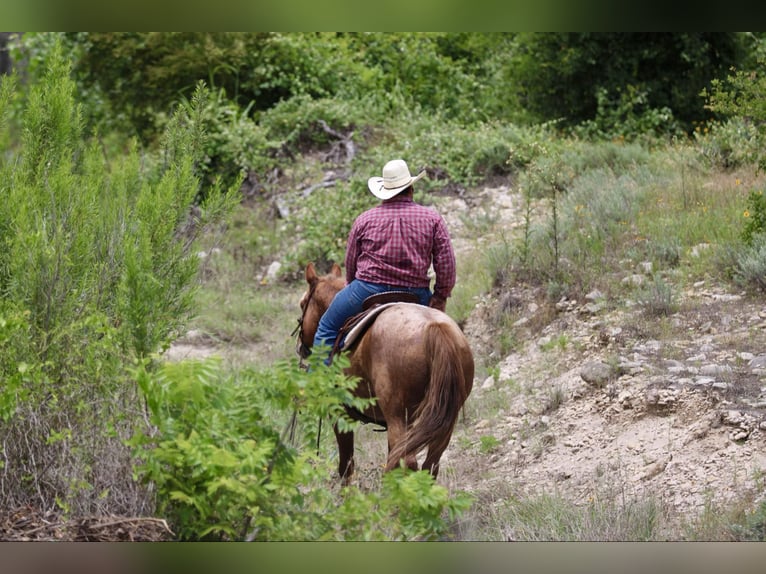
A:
x,y
391,247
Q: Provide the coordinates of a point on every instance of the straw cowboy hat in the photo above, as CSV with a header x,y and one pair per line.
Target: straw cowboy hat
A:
x,y
396,178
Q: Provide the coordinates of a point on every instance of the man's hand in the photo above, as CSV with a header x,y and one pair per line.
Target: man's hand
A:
x,y
438,303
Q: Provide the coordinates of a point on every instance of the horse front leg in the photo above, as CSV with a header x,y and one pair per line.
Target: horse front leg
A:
x,y
345,442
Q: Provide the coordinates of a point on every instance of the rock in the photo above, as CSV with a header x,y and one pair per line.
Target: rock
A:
x,y
661,398
757,362
597,373
271,273
657,467
595,295
714,370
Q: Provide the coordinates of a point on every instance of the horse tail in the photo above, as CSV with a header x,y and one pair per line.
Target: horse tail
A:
x,y
435,418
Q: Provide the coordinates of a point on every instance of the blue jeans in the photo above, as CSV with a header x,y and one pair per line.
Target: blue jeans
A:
x,y
348,302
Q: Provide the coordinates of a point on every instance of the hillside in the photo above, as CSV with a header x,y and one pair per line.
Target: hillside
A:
x,y
604,403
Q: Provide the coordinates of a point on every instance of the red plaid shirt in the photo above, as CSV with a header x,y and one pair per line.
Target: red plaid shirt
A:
x,y
395,244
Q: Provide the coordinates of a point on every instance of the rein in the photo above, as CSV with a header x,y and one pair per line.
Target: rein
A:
x,y
303,352
301,348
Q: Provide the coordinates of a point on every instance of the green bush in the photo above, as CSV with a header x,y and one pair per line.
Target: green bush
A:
x,y
325,221
297,123
234,143
730,144
750,271
755,217
627,116
97,268
230,462
739,98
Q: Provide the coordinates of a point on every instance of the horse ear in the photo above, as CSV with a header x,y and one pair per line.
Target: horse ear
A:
x,y
336,270
311,273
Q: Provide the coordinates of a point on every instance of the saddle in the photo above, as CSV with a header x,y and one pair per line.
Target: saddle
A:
x,y
357,324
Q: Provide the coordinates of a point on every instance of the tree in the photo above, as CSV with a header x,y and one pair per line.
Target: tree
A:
x,y
568,76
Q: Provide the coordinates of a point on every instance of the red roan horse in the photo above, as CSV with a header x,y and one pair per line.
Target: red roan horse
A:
x,y
414,360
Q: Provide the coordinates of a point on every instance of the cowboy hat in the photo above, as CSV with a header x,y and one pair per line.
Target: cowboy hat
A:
x,y
396,178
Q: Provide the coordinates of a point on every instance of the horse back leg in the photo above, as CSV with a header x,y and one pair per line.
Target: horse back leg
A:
x,y
431,463
396,433
345,442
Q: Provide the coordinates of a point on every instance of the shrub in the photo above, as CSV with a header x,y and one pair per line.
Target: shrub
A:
x,y
739,97
755,217
325,220
729,144
233,144
233,458
750,271
658,299
96,269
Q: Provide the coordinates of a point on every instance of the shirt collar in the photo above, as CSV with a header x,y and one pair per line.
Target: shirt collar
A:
x,y
399,198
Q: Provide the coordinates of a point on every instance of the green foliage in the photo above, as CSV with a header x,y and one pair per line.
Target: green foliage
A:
x,y
302,123
233,142
96,268
733,143
230,463
326,218
627,116
469,154
14,334
581,201
431,72
577,76
750,271
740,97
755,216
752,526
488,443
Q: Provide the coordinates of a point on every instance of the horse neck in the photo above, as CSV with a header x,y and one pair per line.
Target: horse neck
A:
x,y
332,286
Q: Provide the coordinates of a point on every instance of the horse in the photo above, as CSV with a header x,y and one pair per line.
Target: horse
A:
x,y
413,360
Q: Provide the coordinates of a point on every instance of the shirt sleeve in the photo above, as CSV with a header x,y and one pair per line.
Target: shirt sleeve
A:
x,y
444,261
352,249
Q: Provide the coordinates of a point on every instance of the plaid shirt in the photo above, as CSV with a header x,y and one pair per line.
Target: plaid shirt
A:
x,y
395,244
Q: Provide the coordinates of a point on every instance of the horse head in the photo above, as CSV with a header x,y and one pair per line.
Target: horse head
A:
x,y
314,302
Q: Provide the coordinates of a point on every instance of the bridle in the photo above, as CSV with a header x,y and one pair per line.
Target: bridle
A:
x,y
301,348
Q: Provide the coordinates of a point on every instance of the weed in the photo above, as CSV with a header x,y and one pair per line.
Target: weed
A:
x,y
657,299
488,443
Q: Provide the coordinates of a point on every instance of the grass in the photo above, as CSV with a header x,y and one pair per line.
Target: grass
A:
x,y
609,514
